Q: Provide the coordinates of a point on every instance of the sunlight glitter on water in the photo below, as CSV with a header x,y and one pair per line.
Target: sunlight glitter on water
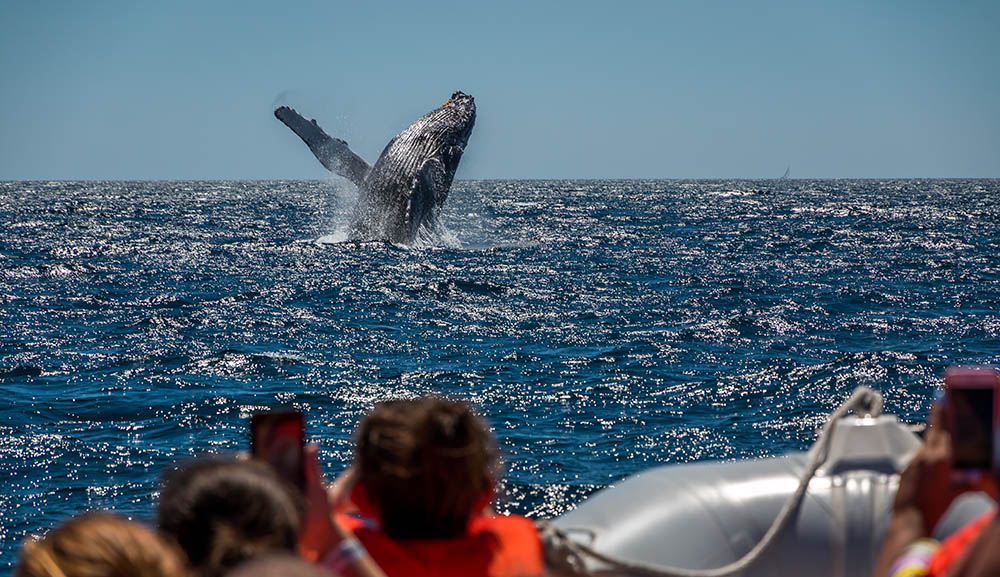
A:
x,y
602,327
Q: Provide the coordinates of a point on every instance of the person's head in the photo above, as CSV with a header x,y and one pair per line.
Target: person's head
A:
x,y
99,545
223,511
278,565
426,465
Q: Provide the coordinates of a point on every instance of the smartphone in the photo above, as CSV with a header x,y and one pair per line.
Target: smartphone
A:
x,y
278,437
972,415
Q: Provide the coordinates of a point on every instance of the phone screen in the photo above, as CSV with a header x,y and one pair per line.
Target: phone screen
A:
x,y
972,435
278,438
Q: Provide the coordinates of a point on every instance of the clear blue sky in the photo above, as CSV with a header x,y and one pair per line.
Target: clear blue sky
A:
x,y
671,89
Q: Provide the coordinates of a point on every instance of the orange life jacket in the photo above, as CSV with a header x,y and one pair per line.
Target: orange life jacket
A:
x,y
952,548
494,546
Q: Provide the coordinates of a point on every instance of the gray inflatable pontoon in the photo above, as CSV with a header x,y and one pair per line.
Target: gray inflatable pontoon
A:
x,y
746,518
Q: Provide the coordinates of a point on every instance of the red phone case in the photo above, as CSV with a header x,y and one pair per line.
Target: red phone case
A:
x,y
972,426
278,437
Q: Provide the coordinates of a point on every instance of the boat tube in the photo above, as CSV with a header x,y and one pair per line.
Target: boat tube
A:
x,y
819,513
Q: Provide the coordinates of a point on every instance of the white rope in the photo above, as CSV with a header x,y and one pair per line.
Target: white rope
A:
x,y
570,555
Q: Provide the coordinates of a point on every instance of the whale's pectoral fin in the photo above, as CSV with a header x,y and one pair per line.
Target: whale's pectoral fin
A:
x,y
422,205
333,153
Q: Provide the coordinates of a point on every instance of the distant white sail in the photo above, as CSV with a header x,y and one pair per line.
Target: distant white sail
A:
x,y
785,176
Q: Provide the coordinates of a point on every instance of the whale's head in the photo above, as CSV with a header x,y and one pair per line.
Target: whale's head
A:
x,y
455,118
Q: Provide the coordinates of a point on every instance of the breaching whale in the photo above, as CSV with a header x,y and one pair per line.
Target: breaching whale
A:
x,y
406,188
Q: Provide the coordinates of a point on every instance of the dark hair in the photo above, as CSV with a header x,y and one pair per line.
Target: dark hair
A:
x,y
99,544
425,464
222,511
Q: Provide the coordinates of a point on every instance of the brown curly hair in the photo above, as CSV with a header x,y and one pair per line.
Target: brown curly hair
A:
x,y
425,464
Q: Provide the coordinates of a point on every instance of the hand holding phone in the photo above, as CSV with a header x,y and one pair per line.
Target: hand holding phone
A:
x,y
278,437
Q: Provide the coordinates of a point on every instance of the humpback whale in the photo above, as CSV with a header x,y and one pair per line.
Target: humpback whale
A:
x,y
406,188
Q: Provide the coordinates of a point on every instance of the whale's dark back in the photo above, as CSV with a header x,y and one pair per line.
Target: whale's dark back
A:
x,y
440,135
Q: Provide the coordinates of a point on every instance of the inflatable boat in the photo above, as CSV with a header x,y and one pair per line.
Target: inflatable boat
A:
x,y
820,513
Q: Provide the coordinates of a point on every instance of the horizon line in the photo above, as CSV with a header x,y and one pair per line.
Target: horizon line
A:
x,y
529,179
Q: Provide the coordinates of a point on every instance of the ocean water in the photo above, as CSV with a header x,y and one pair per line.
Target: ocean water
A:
x,y
602,327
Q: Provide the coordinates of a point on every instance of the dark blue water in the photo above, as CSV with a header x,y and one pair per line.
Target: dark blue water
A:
x,y
603,327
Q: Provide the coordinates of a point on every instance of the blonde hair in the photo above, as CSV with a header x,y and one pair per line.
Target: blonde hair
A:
x,y
99,545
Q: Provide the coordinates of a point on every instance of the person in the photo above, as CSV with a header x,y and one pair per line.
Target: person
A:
x,y
926,490
423,475
277,565
222,511
324,541
99,543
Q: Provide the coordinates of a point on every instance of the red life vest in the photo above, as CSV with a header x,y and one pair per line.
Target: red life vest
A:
x,y
952,548
494,546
